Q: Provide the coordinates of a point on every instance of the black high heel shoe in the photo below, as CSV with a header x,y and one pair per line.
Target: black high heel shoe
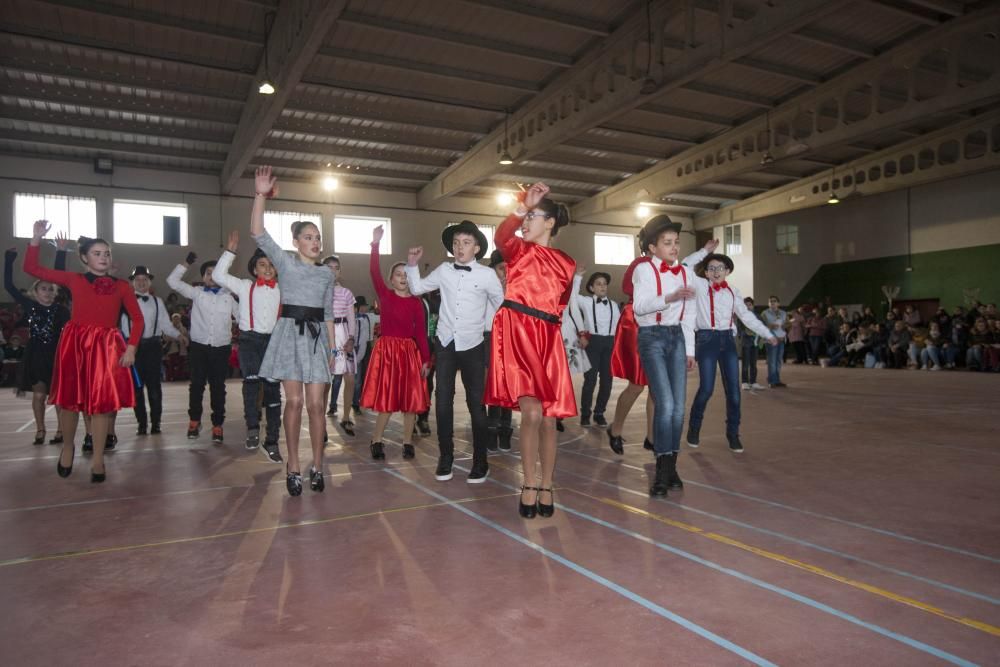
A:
x,y
98,477
39,438
543,509
57,439
408,451
316,482
527,511
65,472
348,427
378,451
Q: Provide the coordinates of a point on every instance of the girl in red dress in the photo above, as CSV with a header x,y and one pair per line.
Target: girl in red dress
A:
x,y
92,361
625,364
400,360
528,366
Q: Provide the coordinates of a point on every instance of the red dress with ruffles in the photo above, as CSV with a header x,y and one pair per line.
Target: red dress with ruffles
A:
x,y
625,362
393,381
527,356
87,376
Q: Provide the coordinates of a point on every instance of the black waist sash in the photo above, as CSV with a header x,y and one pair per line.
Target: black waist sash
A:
x,y
306,317
532,312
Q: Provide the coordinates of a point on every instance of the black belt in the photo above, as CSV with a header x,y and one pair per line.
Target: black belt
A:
x,y
339,320
305,317
528,310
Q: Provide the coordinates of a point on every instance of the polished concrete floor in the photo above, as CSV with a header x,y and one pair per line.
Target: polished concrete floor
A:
x,y
861,526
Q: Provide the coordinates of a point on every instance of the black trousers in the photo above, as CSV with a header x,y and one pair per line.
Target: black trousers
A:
x,y
148,361
253,345
208,364
470,364
496,417
599,352
749,372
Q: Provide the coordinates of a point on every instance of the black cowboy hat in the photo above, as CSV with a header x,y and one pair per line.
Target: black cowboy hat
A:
x,y
360,301
655,226
495,259
594,276
718,257
140,270
464,227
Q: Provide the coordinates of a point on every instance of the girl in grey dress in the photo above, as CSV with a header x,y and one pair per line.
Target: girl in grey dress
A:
x,y
299,351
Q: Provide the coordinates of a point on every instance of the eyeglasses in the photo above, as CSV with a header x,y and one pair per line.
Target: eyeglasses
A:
x,y
531,215
715,268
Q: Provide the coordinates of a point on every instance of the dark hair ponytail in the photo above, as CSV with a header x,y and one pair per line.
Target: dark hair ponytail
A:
x,y
85,243
555,210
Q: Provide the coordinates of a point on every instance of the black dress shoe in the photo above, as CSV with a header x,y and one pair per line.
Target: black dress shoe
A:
x,y
378,451
65,472
560,426
39,438
617,442
110,442
646,444
155,430
543,509
408,451
600,420
58,439
141,430
88,443
316,482
97,477
527,511
424,427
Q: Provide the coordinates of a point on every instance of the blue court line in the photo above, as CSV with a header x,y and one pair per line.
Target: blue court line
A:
x,y
789,538
593,576
815,604
826,517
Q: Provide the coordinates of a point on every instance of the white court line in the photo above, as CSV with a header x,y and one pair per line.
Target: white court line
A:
x,y
32,421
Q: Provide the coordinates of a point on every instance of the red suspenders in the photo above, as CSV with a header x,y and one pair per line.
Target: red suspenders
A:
x,y
659,290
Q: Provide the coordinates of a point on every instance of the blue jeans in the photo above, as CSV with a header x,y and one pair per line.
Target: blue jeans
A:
x,y
663,356
775,357
930,354
717,348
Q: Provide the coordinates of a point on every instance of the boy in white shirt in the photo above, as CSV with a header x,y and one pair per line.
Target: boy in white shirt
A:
x,y
212,311
601,316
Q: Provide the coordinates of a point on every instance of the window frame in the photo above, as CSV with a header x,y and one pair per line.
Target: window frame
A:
x,y
732,236
90,225
628,239
184,235
783,234
384,248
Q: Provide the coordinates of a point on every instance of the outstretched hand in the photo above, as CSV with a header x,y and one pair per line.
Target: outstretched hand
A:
x,y
233,242
711,245
535,194
414,255
265,183
62,241
40,229
377,235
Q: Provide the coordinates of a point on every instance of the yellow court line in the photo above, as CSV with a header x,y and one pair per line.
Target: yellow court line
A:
x,y
881,592
249,531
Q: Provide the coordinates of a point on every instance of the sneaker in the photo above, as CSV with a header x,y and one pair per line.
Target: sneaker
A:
x,y
271,451
585,421
443,472
217,435
316,482
88,444
194,428
757,386
293,482
600,420
934,368
424,427
692,436
745,386
491,442
253,438
734,444
479,473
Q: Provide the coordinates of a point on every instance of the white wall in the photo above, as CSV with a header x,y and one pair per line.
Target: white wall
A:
x,y
211,217
957,213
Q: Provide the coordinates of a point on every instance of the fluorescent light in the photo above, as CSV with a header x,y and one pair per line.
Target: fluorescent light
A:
x,y
266,88
330,183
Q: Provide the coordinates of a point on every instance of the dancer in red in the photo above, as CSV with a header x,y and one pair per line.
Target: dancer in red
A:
x,y
529,370
625,364
401,360
91,370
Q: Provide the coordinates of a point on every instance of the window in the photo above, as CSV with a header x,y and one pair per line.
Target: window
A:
x,y
74,216
353,235
614,249
150,222
732,240
488,231
279,225
787,239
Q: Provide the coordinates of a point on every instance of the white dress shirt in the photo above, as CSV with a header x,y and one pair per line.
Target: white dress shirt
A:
x,y
266,300
155,315
466,297
601,319
212,313
650,289
727,304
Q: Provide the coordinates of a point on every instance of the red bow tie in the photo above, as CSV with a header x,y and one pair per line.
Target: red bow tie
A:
x,y
718,287
664,267
266,283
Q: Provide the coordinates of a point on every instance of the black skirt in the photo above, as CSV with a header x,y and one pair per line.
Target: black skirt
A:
x,y
37,366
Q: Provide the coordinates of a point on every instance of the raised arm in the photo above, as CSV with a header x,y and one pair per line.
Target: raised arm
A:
x,y
31,263
414,282
62,245
373,266
221,273
8,280
265,187
178,285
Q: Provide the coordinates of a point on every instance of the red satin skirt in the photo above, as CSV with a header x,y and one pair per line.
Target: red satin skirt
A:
x,y
528,359
393,382
625,362
87,377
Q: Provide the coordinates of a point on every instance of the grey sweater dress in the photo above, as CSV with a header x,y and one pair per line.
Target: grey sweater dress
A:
x,y
291,355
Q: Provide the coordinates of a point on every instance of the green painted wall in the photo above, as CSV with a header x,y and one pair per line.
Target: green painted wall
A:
x,y
942,275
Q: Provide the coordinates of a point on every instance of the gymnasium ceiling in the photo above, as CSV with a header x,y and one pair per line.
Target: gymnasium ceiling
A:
x,y
739,97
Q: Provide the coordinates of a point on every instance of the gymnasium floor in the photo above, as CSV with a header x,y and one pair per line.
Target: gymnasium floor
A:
x,y
861,526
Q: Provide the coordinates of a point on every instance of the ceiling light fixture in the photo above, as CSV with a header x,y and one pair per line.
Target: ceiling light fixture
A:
x,y
505,199
266,86
834,199
649,83
505,157
642,211
766,158
330,183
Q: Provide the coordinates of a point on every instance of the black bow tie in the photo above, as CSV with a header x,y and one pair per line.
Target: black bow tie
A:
x,y
143,297
602,301
459,267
